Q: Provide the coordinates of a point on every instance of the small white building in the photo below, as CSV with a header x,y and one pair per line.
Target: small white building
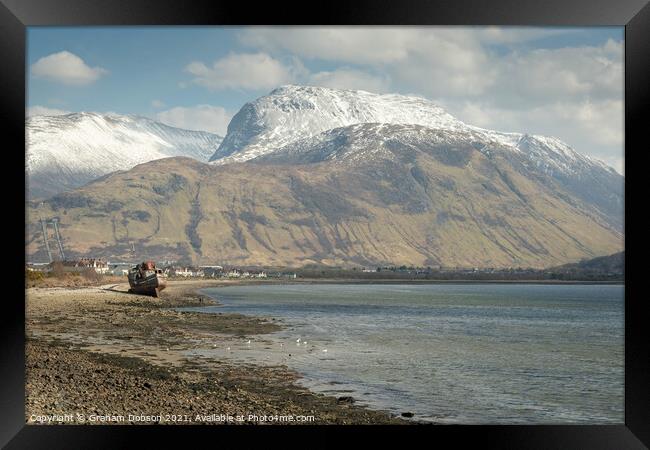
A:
x,y
79,265
187,272
38,267
182,272
257,274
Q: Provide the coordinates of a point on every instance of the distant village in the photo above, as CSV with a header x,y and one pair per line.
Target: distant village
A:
x,y
169,268
602,268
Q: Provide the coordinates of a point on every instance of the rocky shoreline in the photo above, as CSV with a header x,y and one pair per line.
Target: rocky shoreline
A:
x,y
98,355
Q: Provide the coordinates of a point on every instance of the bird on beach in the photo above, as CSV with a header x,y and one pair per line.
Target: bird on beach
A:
x,y
249,342
298,340
324,350
228,349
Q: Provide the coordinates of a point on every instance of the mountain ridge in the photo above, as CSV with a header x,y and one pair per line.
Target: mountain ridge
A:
x,y
300,120
462,213
67,151
296,190
264,125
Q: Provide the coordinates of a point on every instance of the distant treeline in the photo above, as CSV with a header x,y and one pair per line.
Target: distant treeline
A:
x,y
603,268
458,275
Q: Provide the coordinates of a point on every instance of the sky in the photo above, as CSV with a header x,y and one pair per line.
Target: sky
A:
x,y
564,82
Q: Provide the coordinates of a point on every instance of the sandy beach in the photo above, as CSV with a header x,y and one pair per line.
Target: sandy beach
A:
x,y
99,355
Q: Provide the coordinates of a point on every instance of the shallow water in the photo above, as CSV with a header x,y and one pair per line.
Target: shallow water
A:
x,y
450,353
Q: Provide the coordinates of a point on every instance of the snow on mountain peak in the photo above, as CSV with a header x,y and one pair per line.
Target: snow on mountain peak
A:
x,y
293,112
75,148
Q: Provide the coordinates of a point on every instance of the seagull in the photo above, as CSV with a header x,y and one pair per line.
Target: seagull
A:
x,y
228,349
304,343
281,344
249,342
324,350
298,340
214,345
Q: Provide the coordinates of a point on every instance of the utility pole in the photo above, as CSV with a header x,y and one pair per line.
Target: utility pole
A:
x,y
44,228
47,244
55,222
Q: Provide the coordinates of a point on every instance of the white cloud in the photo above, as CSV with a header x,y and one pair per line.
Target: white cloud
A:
x,y
550,75
487,76
380,44
214,119
446,64
517,35
449,65
575,94
243,71
347,78
602,121
457,61
348,44
67,68
432,59
39,110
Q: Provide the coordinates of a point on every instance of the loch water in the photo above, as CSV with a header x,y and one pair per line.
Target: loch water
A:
x,y
449,353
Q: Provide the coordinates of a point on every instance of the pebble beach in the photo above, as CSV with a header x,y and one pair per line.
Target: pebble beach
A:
x,y
99,355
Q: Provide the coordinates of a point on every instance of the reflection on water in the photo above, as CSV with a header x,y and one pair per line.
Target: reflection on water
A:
x,y
450,353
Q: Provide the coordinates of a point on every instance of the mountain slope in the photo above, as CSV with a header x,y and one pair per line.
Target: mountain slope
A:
x,y
64,152
423,205
609,264
300,122
315,175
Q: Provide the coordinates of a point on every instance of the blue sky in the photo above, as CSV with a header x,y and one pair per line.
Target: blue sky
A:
x,y
565,82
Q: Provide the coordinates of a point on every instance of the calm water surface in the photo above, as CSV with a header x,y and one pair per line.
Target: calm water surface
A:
x,y
449,353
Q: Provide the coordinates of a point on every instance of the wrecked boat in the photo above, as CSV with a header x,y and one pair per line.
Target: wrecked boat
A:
x,y
146,279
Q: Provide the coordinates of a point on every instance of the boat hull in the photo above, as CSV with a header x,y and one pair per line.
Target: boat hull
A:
x,y
148,285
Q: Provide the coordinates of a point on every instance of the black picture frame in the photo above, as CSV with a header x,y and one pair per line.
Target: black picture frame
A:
x,y
16,15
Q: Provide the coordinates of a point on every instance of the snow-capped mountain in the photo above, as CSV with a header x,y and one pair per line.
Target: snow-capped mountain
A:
x,y
300,124
67,151
297,113
335,177
290,113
